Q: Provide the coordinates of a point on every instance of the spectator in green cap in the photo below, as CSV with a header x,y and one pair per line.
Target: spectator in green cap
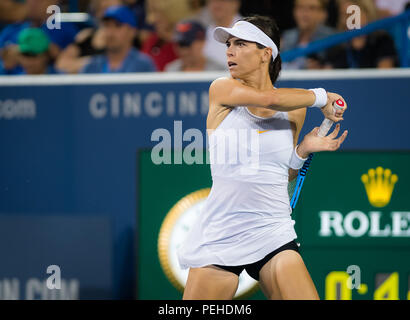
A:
x,y
33,45
37,16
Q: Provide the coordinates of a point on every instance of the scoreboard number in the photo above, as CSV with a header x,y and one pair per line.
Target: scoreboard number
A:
x,y
386,286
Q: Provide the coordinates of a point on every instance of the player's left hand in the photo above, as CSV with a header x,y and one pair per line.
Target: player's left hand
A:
x,y
328,110
313,143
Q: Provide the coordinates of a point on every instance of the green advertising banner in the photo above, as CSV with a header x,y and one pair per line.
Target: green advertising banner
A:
x,y
356,199
352,221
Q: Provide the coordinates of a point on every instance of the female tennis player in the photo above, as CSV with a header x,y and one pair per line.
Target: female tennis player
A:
x,y
246,220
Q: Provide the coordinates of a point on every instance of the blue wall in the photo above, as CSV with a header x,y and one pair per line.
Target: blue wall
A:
x,y
69,150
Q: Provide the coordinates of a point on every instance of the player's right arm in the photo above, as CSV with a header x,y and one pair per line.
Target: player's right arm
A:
x,y
228,92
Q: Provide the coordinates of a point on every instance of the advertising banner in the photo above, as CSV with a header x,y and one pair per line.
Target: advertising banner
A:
x,y
352,222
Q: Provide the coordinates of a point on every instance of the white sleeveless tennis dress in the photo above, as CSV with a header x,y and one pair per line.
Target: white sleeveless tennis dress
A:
x,y
247,214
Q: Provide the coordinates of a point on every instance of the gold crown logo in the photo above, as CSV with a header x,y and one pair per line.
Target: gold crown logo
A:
x,y
379,185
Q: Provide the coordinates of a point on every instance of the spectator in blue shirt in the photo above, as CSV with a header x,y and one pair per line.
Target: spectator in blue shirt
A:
x,y
37,17
119,25
33,46
88,42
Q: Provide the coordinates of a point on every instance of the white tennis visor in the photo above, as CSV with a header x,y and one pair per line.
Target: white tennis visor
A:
x,y
246,31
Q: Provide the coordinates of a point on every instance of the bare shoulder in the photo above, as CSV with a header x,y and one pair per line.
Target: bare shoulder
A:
x,y
218,88
220,85
222,81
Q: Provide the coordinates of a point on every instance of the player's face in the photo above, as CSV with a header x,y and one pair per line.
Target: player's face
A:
x,y
243,57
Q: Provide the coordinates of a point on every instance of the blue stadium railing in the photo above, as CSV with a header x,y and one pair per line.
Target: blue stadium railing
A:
x,y
401,37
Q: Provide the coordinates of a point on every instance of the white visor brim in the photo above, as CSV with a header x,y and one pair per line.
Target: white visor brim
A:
x,y
246,31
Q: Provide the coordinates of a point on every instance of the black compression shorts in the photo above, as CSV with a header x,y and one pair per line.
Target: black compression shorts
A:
x,y
253,268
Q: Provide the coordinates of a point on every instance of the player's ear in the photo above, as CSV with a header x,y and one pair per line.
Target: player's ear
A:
x,y
267,54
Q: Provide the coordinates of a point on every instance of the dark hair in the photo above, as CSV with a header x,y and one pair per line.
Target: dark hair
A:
x,y
270,28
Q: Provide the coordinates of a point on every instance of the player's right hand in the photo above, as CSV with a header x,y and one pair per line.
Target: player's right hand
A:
x,y
313,143
328,110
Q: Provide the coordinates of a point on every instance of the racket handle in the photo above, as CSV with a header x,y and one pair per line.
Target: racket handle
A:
x,y
327,123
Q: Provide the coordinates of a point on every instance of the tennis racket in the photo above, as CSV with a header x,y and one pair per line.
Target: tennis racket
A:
x,y
295,186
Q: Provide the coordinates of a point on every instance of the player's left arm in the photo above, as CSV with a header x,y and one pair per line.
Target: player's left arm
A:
x,y
296,119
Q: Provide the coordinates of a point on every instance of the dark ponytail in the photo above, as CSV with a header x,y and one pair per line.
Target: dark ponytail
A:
x,y
270,28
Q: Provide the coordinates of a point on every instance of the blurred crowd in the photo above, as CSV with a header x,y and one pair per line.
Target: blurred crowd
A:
x,y
176,35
